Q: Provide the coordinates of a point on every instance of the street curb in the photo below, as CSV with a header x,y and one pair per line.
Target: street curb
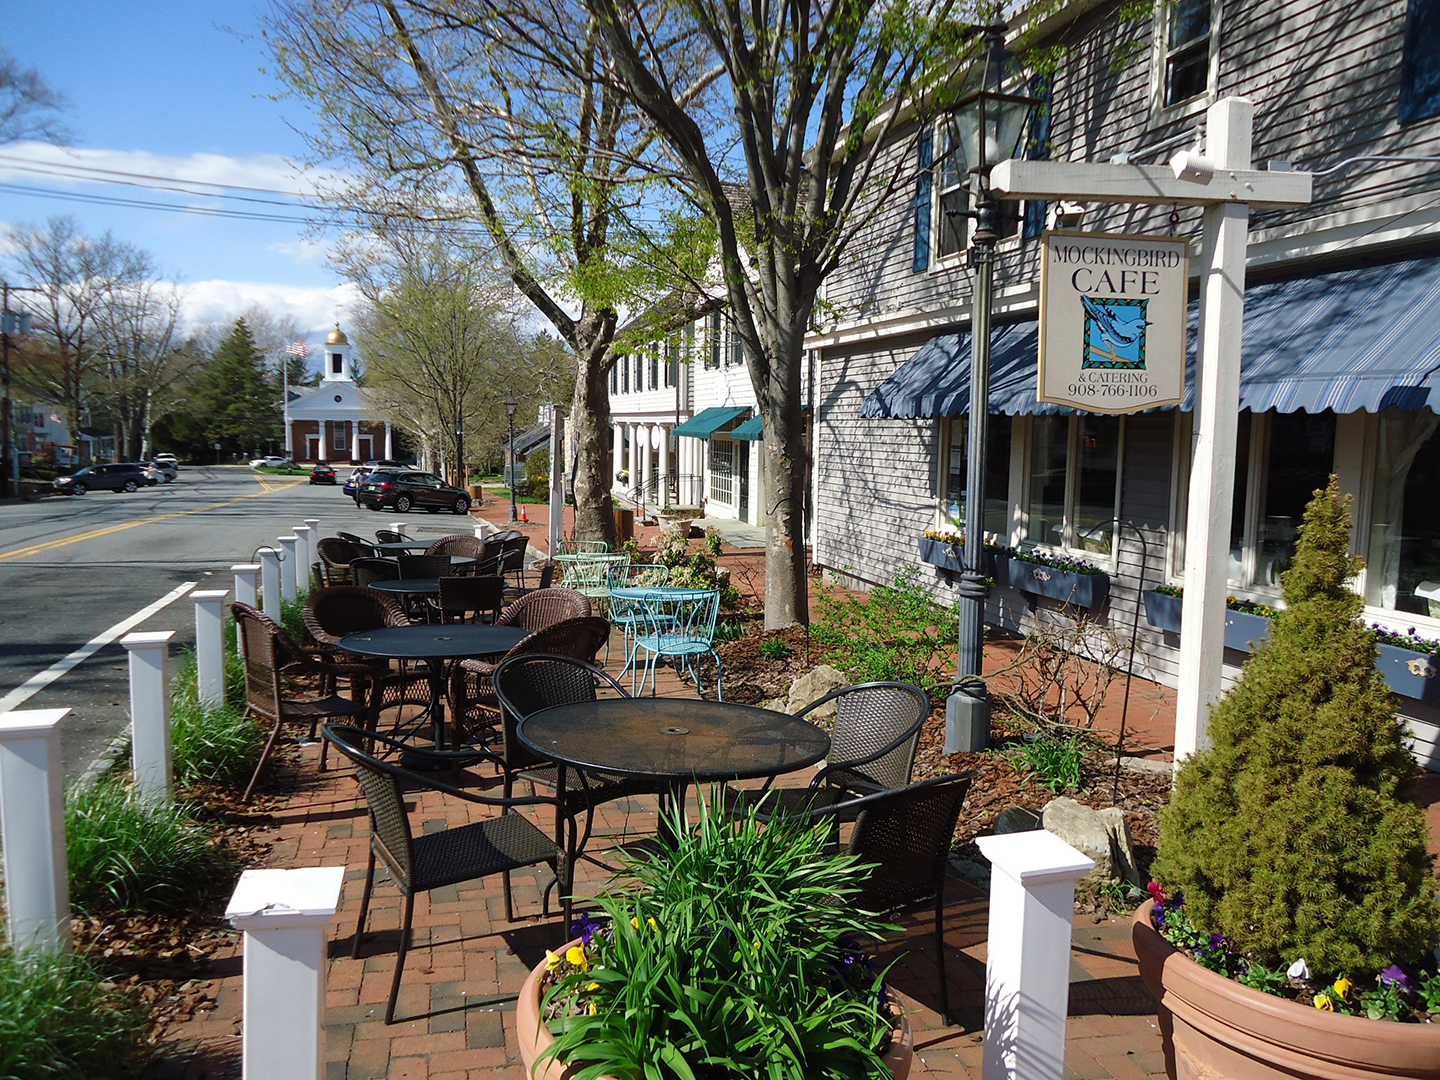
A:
x,y
106,760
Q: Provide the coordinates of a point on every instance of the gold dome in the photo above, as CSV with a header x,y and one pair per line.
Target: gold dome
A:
x,y
337,337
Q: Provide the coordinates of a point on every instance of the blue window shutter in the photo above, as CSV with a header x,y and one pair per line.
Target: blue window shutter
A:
x,y
1038,150
923,182
1420,68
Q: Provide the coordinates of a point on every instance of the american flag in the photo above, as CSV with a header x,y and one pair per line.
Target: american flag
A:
x,y
297,348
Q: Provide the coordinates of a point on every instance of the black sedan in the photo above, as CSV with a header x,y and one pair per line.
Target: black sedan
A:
x,y
405,489
322,474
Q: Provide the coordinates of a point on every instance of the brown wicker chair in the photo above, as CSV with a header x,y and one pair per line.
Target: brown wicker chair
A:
x,y
474,707
459,544
336,555
906,833
466,599
876,732
268,652
430,860
364,571
423,566
359,541
336,610
540,608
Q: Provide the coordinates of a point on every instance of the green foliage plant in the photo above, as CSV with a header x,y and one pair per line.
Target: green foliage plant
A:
x,y
215,743
775,648
1294,835
896,632
60,1020
1055,761
726,955
696,568
130,853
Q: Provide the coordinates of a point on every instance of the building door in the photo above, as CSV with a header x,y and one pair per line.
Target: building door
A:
x,y
367,448
312,447
742,477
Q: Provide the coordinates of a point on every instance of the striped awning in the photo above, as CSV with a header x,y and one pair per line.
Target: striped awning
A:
x,y
708,421
1355,340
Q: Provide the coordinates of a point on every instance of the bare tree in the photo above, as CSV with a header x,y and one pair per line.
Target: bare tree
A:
x,y
451,118
29,108
141,362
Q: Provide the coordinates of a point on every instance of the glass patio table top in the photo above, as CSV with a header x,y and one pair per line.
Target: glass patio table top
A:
x,y
419,586
447,641
677,738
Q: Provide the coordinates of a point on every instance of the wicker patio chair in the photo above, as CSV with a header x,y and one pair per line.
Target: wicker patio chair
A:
x,y
528,682
873,741
422,861
459,544
474,708
906,833
466,599
364,571
540,608
336,555
389,536
422,566
268,652
336,610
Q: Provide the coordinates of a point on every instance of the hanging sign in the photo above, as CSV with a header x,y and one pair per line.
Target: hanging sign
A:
x,y
1112,321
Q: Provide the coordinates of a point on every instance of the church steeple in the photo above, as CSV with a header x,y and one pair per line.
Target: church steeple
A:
x,y
337,357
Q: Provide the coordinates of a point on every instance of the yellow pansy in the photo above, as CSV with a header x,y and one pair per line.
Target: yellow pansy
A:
x,y
1323,1002
576,955
1342,987
593,986
635,921
653,924
591,1009
551,961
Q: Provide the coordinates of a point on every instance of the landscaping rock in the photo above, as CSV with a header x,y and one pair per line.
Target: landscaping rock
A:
x,y
1017,819
1102,835
823,680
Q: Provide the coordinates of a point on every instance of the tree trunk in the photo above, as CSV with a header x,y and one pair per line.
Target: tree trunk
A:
x,y
590,428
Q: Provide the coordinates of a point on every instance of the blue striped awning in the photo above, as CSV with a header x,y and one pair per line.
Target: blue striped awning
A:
x,y
1354,340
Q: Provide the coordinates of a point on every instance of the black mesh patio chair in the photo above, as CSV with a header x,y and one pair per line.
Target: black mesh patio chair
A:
x,y
906,833
364,571
512,556
421,862
423,566
468,599
873,741
389,536
271,656
360,542
528,682
547,580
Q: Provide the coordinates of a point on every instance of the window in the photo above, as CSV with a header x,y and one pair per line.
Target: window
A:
x,y
735,355
654,352
337,437
954,201
722,470
1185,73
615,379
997,475
335,363
1420,68
672,362
1074,481
625,374
1404,548
712,352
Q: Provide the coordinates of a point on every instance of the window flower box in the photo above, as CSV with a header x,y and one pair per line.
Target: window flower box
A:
x,y
1410,673
1054,582
1162,610
947,554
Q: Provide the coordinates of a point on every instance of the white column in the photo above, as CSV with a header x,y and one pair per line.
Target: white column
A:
x,y
32,829
1217,407
664,463
647,457
482,528
634,481
304,556
354,440
389,441
618,450
150,712
210,644
247,582
1027,972
283,914
270,581
323,454
287,569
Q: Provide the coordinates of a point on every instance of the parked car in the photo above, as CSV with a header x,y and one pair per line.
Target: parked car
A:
x,y
406,489
118,477
168,459
153,474
354,480
168,470
322,474
270,461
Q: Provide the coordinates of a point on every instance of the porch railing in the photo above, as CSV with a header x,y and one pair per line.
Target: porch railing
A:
x,y
660,492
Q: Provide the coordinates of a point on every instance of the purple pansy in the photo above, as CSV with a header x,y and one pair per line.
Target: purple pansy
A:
x,y
584,927
1393,976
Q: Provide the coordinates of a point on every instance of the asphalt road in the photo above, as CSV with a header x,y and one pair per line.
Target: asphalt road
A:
x,y
72,568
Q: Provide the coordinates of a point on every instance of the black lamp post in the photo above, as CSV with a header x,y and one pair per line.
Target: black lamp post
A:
x,y
460,470
986,126
510,405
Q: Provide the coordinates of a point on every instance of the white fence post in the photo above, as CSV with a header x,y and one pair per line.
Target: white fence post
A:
x,y
399,527
150,711
32,829
283,914
288,579
210,645
482,528
304,556
270,581
1027,973
247,583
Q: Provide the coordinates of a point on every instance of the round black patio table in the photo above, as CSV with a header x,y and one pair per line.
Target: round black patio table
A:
x,y
434,646
420,586
400,547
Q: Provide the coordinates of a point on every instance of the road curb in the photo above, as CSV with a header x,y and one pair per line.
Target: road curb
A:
x,y
106,760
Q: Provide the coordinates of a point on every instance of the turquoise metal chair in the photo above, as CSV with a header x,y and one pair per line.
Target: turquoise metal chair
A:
x,y
679,624
582,547
632,579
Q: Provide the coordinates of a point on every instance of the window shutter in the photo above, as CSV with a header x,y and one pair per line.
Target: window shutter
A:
x,y
923,183
1042,87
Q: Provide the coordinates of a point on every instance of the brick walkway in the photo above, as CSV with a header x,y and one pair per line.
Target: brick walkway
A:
x,y
456,1011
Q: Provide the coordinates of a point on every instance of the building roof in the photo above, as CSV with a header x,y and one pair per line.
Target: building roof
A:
x,y
337,337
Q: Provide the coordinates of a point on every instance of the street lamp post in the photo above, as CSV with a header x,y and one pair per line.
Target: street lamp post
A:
x,y
461,472
987,127
510,405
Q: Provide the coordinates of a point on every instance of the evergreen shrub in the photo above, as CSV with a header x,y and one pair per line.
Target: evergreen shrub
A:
x,y
1294,834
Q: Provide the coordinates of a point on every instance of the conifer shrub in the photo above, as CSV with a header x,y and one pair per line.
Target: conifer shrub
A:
x,y
1293,835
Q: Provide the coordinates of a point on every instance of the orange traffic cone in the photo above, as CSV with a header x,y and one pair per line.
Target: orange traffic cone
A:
x,y
523,515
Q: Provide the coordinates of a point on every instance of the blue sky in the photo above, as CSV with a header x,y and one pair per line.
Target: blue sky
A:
x,y
172,89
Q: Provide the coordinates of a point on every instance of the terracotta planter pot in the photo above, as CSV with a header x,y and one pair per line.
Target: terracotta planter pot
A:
x,y
1214,1027
535,1037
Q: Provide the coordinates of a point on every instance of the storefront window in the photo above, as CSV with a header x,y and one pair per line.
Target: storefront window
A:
x,y
997,475
1074,473
1299,459
1405,513
1098,453
722,471
1049,450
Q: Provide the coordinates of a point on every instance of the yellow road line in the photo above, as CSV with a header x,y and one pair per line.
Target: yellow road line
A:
x,y
64,541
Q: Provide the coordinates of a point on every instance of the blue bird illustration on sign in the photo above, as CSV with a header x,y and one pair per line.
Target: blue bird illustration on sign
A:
x,y
1114,333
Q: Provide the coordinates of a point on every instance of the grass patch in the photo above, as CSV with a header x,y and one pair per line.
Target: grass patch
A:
x,y
292,617
272,470
217,743
1054,760
59,1020
131,854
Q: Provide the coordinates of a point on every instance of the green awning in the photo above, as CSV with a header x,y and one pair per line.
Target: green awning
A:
x,y
708,421
751,430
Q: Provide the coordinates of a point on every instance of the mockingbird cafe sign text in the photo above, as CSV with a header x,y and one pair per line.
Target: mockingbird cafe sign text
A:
x,y
1112,321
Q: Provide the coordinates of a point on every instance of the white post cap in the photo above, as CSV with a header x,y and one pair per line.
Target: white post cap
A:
x,y
308,896
1034,858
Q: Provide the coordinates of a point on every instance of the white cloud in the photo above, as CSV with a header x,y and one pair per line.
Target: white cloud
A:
x,y
315,309
303,250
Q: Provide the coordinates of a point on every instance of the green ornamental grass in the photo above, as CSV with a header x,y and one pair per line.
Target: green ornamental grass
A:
x,y
1294,835
214,743
60,1021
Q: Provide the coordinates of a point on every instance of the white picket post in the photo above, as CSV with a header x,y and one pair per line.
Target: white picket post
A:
x,y
1027,972
150,712
283,914
210,644
399,527
482,528
247,583
304,556
287,567
270,581
32,829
